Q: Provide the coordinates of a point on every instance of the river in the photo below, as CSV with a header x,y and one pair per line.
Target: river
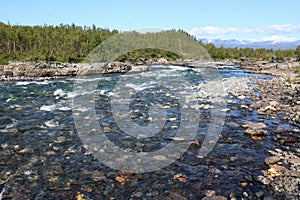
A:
x,y
43,156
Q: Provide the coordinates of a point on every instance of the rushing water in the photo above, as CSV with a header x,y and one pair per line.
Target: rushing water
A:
x,y
42,156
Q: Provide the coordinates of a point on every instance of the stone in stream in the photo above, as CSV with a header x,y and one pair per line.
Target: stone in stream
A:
x,y
210,193
232,125
272,160
176,196
255,128
215,198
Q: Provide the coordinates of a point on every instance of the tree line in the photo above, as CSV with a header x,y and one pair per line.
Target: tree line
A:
x,y
71,43
65,43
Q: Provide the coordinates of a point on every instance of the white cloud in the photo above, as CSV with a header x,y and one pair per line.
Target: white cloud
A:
x,y
274,32
281,29
278,38
213,31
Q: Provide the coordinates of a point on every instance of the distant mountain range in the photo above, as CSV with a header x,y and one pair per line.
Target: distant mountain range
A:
x,y
244,44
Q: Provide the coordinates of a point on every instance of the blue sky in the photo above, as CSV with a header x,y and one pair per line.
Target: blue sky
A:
x,y
224,19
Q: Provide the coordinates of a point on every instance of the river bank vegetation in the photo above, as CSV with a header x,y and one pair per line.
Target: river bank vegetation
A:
x,y
71,43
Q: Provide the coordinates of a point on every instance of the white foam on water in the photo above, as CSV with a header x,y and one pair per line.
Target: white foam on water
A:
x,y
15,106
23,82
64,108
177,68
50,123
44,82
140,87
8,126
101,77
110,94
48,108
59,93
82,109
75,94
102,92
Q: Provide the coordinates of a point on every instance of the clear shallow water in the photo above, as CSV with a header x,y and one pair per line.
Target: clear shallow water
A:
x,y
42,152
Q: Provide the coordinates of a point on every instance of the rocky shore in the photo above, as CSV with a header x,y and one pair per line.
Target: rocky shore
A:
x,y
275,103
48,70
51,70
278,107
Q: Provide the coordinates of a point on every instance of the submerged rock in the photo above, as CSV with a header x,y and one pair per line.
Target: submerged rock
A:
x,y
255,128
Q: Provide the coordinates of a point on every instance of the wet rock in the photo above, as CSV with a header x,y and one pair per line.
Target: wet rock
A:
x,y
232,125
137,194
255,128
244,107
295,161
197,186
210,193
244,184
259,194
272,160
264,180
214,170
175,196
225,110
215,198
180,177
25,150
61,139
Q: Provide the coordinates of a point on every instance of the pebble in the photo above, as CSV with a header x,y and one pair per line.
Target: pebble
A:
x,y
259,194
61,139
160,157
225,110
242,97
244,106
245,194
295,161
215,198
176,196
25,150
244,184
4,146
210,193
197,186
232,125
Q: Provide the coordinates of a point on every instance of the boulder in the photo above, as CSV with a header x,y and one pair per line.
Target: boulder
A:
x,y
19,70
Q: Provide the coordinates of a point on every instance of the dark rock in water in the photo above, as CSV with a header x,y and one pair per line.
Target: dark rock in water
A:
x,y
232,125
215,198
175,196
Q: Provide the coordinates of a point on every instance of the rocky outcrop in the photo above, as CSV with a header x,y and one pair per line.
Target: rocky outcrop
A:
x,y
263,65
20,70
107,68
38,69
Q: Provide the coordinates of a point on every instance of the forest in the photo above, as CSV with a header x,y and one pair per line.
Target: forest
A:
x,y
71,43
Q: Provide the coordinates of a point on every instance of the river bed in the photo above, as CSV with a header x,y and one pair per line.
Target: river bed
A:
x,y
43,156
